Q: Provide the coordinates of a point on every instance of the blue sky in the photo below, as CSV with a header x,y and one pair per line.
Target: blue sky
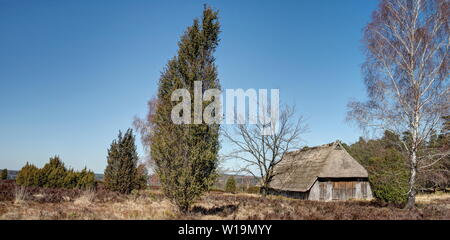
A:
x,y
75,72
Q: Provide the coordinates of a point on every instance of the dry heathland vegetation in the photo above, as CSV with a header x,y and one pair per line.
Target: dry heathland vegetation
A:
x,y
42,203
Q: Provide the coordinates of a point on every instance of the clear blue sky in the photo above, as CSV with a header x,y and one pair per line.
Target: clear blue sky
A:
x,y
75,72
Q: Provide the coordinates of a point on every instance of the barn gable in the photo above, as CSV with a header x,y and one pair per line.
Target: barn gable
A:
x,y
299,170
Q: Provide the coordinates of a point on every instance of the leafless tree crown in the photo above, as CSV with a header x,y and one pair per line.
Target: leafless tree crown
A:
x,y
406,72
261,153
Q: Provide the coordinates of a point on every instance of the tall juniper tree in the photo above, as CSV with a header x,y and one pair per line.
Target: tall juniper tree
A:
x,y
185,155
120,173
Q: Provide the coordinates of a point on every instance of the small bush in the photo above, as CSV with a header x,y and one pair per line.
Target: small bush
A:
x,y
86,179
86,198
386,165
20,195
389,178
218,190
29,175
253,190
230,186
141,179
4,174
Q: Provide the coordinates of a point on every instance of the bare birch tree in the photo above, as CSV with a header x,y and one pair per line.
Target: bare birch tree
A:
x,y
406,76
145,126
261,153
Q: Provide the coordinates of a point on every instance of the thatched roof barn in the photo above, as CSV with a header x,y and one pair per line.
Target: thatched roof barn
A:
x,y
325,172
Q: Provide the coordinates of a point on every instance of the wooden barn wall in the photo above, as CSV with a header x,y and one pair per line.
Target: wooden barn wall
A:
x,y
296,195
331,189
341,189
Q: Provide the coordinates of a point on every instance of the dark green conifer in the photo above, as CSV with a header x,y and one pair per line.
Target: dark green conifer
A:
x,y
4,174
230,186
53,173
120,173
28,176
186,155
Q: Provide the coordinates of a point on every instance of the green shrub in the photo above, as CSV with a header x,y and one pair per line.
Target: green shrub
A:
x,y
230,185
55,175
141,179
4,174
389,177
386,165
253,190
28,176
215,189
86,179
71,179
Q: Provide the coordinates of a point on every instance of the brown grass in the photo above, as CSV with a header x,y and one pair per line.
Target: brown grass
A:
x,y
85,199
428,198
151,204
20,195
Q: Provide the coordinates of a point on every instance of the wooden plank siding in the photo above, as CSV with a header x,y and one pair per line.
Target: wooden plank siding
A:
x,y
364,187
343,190
290,194
340,189
331,189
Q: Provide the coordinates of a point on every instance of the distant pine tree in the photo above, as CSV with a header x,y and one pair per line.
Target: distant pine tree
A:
x,y
113,164
4,174
120,173
230,186
186,155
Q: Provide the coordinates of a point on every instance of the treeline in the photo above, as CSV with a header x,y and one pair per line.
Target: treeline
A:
x,y
54,174
122,174
388,168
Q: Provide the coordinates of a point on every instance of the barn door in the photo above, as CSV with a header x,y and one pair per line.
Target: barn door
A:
x,y
344,190
350,190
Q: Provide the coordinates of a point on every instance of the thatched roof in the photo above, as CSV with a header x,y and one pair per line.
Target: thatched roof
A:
x,y
300,169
